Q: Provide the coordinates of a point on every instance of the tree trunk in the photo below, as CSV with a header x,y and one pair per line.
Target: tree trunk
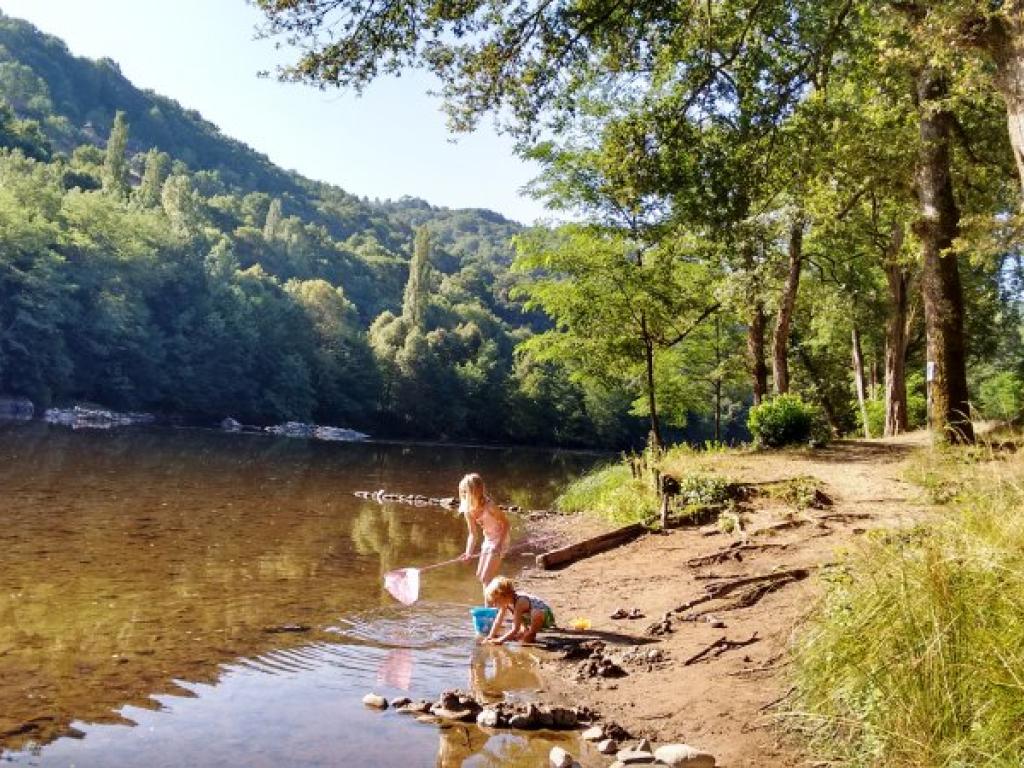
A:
x,y
780,338
858,377
1002,37
896,338
940,276
755,348
718,379
830,414
652,404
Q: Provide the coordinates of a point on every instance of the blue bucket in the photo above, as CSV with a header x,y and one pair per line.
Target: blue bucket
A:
x,y
483,618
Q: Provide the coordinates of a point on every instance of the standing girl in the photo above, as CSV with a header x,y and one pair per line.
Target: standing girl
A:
x,y
483,516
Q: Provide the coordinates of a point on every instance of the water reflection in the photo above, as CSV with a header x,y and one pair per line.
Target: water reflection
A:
x,y
146,575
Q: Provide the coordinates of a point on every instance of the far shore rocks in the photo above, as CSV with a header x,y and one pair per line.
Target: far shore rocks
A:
x,y
16,408
81,417
315,432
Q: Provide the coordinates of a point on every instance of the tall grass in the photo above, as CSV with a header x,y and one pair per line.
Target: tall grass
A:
x,y
916,657
612,493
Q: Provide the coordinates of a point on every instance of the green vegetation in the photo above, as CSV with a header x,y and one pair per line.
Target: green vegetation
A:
x,y
149,263
783,420
915,656
612,493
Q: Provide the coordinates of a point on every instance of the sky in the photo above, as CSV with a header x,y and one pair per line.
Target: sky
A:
x,y
391,141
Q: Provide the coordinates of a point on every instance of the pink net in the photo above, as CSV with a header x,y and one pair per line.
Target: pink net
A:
x,y
403,585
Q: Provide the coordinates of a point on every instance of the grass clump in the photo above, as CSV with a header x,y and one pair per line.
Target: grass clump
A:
x,y
611,492
916,657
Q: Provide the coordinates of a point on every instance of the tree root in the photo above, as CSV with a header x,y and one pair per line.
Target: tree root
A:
x,y
720,646
732,552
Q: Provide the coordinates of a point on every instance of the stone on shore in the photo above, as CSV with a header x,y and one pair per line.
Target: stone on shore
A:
x,y
594,733
608,747
634,757
559,758
375,701
684,755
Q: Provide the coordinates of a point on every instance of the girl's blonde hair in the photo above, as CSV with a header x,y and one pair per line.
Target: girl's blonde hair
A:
x,y
499,586
472,488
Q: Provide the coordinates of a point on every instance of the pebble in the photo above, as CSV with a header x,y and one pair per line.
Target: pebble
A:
x,y
375,701
559,758
684,755
608,747
596,733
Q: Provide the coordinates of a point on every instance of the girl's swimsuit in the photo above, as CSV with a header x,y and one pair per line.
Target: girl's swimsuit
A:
x,y
536,604
496,538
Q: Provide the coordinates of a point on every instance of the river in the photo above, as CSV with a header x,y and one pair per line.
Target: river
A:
x,y
195,598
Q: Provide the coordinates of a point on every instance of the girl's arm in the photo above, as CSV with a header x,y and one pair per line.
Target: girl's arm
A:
x,y
497,623
471,524
517,623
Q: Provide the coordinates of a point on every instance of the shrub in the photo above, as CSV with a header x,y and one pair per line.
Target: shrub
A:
x,y
703,488
784,420
1002,397
876,418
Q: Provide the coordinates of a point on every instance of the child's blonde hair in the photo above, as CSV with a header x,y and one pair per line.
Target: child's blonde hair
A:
x,y
472,487
500,586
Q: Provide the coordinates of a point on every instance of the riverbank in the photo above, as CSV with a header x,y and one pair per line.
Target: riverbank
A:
x,y
706,661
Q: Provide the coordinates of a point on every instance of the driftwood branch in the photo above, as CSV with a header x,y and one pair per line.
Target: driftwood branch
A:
x,y
720,646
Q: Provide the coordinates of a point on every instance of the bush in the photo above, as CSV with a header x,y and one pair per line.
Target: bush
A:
x,y
876,418
1002,397
784,420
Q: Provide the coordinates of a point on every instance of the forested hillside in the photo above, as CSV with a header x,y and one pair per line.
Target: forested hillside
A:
x,y
148,262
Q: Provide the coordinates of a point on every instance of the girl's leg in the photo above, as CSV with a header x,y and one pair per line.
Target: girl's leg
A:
x,y
490,564
537,618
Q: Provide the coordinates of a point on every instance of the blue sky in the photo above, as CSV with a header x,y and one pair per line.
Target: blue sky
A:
x,y
390,142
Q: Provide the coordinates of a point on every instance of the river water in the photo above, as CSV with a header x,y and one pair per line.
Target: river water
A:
x,y
190,598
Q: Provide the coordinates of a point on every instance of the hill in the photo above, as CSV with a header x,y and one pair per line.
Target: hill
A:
x,y
150,262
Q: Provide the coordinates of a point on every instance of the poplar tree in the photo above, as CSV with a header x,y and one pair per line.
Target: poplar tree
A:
x,y
115,164
414,302
158,165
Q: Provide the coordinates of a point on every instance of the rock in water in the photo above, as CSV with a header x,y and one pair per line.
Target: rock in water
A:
x,y
559,758
231,425
488,718
684,755
375,701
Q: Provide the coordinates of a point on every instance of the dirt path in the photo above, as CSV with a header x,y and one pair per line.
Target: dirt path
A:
x,y
724,703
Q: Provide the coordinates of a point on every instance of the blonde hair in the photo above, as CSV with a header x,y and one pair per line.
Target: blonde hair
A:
x,y
472,489
499,586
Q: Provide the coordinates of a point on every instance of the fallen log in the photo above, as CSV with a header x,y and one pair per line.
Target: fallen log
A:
x,y
559,558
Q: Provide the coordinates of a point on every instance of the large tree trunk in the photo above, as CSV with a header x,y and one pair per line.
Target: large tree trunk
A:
x,y
858,377
780,338
896,338
1002,36
940,276
755,348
